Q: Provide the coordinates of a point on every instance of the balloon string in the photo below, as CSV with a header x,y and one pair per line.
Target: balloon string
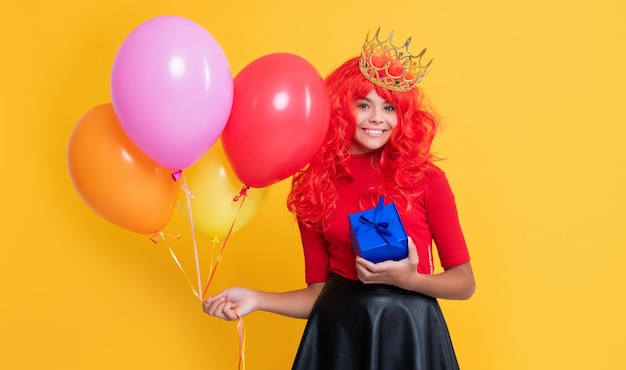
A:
x,y
242,340
242,195
240,326
193,233
180,266
215,242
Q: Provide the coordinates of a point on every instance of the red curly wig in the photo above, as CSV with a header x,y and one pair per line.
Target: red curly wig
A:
x,y
405,160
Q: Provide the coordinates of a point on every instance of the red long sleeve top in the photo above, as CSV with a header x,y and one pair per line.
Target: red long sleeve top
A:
x,y
434,218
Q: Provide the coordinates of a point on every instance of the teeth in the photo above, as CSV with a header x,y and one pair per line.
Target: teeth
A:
x,y
374,132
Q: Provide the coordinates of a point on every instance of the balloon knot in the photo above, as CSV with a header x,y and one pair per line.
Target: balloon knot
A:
x,y
155,238
176,175
242,193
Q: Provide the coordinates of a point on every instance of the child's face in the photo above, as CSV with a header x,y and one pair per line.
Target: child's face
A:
x,y
375,119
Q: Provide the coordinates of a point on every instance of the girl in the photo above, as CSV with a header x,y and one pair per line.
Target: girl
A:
x,y
363,315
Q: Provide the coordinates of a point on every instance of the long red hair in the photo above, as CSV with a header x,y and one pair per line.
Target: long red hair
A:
x,y
405,160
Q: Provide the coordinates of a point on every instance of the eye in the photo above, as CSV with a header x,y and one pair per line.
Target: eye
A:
x,y
362,105
390,108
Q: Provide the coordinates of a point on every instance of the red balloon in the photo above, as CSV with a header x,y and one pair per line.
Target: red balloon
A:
x,y
279,119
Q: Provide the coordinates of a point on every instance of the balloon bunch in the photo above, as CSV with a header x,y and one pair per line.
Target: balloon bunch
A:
x,y
173,98
172,92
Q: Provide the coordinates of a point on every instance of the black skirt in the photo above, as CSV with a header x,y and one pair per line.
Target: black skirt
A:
x,y
356,326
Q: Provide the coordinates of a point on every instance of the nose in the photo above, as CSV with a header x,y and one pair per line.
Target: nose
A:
x,y
376,116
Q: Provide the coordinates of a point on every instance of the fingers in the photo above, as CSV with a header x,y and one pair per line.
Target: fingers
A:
x,y
365,264
219,307
412,253
388,272
369,272
211,305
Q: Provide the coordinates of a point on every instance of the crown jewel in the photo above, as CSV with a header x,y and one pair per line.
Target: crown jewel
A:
x,y
389,66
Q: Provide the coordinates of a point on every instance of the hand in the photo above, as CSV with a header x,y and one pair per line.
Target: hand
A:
x,y
231,303
396,273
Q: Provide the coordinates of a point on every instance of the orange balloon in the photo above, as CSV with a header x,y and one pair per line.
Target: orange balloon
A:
x,y
116,179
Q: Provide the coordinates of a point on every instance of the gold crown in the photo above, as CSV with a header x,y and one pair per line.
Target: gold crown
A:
x,y
400,71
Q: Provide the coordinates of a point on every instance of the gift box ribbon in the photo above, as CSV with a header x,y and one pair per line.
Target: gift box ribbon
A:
x,y
381,226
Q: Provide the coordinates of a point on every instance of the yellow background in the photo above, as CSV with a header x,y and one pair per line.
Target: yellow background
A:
x,y
531,93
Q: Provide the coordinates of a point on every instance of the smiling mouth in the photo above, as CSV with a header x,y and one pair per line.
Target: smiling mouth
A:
x,y
373,132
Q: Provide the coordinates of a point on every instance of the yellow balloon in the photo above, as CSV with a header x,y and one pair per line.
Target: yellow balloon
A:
x,y
211,189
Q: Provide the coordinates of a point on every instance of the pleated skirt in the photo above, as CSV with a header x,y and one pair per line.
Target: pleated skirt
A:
x,y
356,326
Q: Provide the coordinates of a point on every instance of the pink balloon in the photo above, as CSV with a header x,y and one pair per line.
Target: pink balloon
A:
x,y
172,90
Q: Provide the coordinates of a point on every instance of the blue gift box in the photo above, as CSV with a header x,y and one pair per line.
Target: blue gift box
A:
x,y
377,234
